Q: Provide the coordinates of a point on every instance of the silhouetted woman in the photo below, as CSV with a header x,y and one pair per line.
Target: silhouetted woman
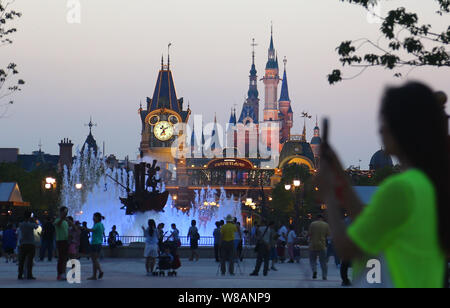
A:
x,y
406,225
98,234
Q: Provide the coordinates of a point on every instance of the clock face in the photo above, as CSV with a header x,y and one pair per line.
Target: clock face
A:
x,y
163,130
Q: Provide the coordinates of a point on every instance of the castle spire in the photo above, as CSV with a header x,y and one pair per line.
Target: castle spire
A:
x,y
168,56
253,87
304,131
271,36
284,97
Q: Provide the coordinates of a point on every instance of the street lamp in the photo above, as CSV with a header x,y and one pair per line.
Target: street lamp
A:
x,y
295,185
50,180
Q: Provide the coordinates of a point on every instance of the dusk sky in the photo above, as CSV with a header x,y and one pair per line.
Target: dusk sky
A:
x,y
104,66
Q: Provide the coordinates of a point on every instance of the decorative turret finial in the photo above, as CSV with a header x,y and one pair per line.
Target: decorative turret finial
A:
x,y
90,125
271,48
168,55
304,131
253,52
285,62
162,62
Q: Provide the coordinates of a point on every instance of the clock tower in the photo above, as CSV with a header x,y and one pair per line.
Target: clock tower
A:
x,y
164,112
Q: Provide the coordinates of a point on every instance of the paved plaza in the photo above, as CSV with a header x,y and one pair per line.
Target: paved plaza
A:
x,y
130,273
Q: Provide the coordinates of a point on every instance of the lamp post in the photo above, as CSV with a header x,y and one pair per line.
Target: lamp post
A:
x,y
50,186
296,187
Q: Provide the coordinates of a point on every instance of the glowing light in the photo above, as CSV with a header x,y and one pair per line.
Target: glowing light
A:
x,y
287,187
297,183
50,181
79,186
48,186
175,197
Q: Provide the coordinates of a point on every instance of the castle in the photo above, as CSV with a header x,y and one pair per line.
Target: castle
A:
x,y
243,156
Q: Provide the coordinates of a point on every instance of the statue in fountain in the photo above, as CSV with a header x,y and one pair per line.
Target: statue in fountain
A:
x,y
151,176
142,200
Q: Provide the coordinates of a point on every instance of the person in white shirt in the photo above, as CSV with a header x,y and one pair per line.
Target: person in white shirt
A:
x,y
151,246
281,245
292,237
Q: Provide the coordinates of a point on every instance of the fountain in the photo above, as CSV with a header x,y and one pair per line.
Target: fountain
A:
x,y
101,194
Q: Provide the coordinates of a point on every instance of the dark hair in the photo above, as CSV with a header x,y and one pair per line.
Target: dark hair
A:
x,y
193,223
27,214
151,227
98,216
62,209
419,125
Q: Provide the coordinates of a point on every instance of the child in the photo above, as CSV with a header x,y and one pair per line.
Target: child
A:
x,y
98,232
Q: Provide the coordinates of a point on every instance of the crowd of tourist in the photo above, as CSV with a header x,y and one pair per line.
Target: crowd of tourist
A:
x,y
272,244
67,239
63,238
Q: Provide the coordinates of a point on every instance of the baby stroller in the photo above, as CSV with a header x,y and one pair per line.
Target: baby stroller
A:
x,y
168,261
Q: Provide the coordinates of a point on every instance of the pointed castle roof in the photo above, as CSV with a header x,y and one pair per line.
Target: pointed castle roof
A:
x,y
233,117
165,95
284,97
272,62
248,112
90,140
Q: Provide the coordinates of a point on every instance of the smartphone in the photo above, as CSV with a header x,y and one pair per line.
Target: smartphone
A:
x,y
325,131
